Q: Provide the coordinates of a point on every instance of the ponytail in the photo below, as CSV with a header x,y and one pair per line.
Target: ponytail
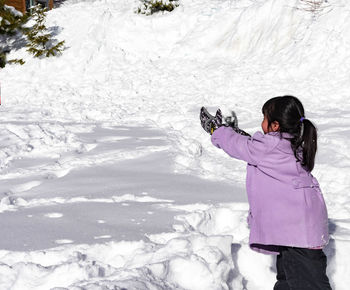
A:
x,y
288,111
309,144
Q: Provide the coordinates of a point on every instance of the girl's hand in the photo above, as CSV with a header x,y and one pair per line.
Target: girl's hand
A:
x,y
210,123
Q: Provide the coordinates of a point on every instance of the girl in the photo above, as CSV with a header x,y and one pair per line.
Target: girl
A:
x,y
287,216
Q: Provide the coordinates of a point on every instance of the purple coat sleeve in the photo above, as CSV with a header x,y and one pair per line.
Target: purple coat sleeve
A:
x,y
250,149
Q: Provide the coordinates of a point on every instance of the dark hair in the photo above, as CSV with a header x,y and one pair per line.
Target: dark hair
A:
x,y
289,113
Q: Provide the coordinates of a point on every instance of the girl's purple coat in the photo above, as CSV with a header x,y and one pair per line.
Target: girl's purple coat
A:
x,y
286,204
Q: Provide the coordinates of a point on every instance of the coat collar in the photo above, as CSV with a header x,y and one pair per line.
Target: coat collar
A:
x,y
284,143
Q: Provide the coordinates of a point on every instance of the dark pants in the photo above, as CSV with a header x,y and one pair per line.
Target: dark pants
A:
x,y
300,268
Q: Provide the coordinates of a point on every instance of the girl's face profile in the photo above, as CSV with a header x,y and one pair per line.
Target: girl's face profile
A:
x,y
272,128
265,125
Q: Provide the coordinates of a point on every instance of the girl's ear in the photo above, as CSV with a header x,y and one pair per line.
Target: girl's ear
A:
x,y
275,126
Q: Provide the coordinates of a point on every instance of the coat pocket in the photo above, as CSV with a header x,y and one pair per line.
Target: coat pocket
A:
x,y
305,182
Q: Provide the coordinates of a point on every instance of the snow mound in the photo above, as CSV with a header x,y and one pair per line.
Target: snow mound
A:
x,y
200,245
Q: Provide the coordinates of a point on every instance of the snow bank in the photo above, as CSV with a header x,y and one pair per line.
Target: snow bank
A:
x,y
205,251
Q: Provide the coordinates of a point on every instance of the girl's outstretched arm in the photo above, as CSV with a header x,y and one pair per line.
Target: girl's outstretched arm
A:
x,y
250,149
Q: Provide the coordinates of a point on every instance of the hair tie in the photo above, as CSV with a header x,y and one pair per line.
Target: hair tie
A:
x,y
302,119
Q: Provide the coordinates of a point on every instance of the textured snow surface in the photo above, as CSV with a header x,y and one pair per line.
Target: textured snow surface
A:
x,y
107,180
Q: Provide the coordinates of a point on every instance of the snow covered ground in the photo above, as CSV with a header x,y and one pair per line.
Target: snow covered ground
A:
x,y
107,180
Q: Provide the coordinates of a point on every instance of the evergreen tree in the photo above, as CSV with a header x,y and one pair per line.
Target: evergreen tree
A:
x,y
11,20
11,30
149,7
40,42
